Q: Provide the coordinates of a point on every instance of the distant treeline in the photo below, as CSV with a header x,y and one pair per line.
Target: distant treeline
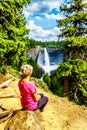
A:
x,y
47,44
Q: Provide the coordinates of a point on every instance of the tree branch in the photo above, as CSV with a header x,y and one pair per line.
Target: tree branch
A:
x,y
6,83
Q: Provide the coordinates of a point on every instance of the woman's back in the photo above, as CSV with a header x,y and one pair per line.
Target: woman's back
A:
x,y
27,89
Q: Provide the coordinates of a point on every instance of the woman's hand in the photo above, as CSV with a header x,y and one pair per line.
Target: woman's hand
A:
x,y
36,97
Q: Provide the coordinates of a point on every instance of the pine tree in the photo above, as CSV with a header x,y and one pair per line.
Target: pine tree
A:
x,y
74,27
47,80
13,32
74,31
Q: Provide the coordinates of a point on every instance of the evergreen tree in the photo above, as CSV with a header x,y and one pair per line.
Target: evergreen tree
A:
x,y
13,33
74,27
74,30
47,79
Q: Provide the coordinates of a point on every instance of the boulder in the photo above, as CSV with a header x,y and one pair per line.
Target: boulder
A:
x,y
25,120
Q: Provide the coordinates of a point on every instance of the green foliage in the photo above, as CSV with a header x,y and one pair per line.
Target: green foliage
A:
x,y
13,71
47,80
74,68
76,72
77,42
74,25
74,30
51,44
75,47
13,33
40,83
75,21
35,68
57,85
34,43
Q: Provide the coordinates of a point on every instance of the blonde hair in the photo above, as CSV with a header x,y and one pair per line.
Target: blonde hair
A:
x,y
26,70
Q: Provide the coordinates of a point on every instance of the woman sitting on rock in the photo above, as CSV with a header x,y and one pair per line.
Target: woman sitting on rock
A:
x,y
30,100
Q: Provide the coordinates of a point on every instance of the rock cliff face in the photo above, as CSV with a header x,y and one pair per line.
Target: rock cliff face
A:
x,y
33,52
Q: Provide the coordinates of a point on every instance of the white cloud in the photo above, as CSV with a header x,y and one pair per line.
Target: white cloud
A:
x,y
30,9
38,18
43,8
37,7
53,4
26,13
39,34
54,17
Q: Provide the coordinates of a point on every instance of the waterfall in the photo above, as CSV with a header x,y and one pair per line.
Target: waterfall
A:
x,y
50,61
46,66
43,61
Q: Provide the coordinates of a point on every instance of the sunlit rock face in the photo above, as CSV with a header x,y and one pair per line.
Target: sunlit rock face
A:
x,y
25,120
33,52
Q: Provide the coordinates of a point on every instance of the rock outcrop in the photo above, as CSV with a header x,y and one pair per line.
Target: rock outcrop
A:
x,y
25,120
33,52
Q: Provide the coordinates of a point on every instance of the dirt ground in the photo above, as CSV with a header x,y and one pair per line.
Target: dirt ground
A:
x,y
59,113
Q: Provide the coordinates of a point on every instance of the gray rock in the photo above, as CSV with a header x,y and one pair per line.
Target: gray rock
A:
x,y
33,52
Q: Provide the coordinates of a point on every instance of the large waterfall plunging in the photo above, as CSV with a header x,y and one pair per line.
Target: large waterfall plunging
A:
x,y
43,61
50,62
46,66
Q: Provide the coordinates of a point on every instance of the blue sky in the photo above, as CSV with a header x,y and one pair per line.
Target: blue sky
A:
x,y
41,16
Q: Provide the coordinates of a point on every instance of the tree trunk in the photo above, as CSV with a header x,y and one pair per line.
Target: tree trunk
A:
x,y
6,83
75,95
70,54
66,87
